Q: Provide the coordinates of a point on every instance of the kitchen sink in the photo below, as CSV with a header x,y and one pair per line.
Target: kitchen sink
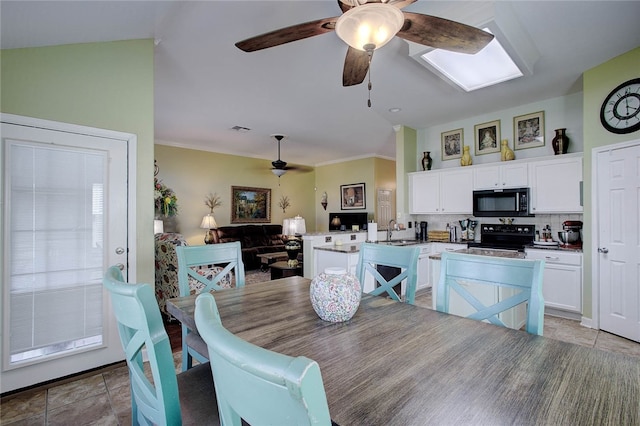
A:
x,y
399,242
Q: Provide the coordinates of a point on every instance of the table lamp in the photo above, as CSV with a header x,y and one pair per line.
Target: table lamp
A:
x,y
292,229
209,222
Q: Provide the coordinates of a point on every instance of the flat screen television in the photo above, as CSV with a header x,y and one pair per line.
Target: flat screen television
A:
x,y
347,220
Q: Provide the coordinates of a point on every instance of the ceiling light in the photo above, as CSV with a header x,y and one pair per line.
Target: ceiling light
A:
x,y
492,65
369,26
278,172
394,110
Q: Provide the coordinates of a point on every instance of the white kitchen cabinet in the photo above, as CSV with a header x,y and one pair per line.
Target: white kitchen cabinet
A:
x,y
424,192
424,277
562,278
556,185
511,175
434,264
443,191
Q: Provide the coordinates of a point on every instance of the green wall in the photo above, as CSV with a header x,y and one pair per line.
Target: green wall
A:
x,y
598,82
103,85
374,172
193,174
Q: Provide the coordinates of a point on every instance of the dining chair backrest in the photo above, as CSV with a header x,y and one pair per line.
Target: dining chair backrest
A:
x,y
404,258
140,327
192,259
523,276
258,385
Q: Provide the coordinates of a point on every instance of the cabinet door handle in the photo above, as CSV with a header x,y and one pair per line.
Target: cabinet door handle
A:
x,y
552,257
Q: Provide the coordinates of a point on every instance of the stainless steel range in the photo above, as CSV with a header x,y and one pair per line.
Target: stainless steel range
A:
x,y
505,237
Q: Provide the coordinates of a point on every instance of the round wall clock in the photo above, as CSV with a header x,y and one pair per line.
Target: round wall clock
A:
x,y
620,112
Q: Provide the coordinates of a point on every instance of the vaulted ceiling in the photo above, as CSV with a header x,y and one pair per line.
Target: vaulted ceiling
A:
x,y
204,85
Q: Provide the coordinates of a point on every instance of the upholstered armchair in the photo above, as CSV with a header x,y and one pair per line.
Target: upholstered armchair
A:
x,y
166,261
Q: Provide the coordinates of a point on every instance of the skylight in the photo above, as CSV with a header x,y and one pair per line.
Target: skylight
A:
x,y
492,65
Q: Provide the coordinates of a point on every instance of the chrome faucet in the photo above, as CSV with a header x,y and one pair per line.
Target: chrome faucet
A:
x,y
390,229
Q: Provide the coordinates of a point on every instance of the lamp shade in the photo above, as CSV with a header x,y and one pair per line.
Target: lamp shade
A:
x,y
298,226
286,227
208,222
369,26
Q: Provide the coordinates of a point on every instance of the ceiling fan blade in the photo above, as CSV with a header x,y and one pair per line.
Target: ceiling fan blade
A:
x,y
288,34
443,34
356,65
401,4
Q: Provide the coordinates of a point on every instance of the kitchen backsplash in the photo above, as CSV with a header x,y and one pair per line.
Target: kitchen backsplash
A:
x,y
439,222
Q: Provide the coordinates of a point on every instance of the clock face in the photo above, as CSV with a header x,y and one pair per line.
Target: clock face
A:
x,y
620,112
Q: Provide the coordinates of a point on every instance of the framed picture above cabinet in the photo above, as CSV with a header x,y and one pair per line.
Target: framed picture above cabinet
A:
x,y
528,130
487,137
452,142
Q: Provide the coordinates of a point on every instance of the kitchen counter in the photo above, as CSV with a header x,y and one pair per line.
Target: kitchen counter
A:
x,y
556,247
484,252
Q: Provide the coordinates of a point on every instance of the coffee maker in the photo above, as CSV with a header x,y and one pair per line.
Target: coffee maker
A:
x,y
571,234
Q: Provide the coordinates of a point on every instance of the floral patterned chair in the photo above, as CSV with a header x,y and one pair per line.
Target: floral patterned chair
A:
x,y
167,270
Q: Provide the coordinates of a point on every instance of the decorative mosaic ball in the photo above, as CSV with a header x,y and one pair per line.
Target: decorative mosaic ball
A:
x,y
335,295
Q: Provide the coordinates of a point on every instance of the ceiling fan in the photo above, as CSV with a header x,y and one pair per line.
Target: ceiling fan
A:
x,y
383,19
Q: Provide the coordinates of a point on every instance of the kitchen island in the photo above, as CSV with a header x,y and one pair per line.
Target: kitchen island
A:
x,y
489,295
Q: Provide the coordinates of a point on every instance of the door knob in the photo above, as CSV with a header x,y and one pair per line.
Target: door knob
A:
x,y
603,250
119,250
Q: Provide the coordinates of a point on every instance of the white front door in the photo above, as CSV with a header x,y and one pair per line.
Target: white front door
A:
x,y
617,181
65,221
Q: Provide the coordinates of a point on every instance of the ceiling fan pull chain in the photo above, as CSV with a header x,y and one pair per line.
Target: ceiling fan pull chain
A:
x,y
370,52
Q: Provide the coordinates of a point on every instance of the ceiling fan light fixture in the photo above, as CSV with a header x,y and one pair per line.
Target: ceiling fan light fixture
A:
x,y
369,26
278,172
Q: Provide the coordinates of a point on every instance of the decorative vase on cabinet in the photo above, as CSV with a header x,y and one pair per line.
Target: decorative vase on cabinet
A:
x,y
427,161
466,157
506,154
560,142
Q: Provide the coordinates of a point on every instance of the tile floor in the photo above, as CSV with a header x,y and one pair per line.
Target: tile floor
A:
x,y
102,397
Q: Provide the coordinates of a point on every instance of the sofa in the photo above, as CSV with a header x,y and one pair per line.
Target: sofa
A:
x,y
254,239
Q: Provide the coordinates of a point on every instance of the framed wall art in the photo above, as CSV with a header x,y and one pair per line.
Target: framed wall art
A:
x,y
452,142
528,130
487,136
250,205
352,196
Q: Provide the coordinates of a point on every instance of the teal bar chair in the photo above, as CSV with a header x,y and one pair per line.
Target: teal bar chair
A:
x,y
222,258
524,276
170,399
257,385
404,258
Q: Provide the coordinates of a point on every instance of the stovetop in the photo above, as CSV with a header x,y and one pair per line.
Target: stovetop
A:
x,y
506,237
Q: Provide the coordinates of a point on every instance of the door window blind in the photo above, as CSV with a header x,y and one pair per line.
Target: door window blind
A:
x,y
56,231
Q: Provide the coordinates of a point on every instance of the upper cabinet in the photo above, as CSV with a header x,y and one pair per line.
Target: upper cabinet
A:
x,y
556,185
442,191
511,175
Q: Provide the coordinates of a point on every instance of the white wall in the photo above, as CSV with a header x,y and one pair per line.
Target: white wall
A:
x,y
560,112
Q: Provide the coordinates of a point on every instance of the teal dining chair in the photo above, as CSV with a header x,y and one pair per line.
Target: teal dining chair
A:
x,y
222,258
257,385
167,399
523,276
405,259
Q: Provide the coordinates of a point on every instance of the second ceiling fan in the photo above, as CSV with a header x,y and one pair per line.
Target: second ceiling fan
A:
x,y
366,25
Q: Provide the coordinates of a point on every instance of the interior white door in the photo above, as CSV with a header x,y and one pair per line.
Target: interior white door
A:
x,y
618,201
65,221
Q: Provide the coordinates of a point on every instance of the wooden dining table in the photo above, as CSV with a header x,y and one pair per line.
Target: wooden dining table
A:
x,y
399,364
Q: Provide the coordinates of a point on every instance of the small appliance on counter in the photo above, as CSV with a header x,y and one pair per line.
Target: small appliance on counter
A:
x,y
571,234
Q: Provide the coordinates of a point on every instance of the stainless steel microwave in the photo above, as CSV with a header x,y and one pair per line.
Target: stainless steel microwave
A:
x,y
501,203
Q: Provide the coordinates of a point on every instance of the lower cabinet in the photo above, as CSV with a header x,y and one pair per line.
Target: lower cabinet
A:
x,y
562,282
